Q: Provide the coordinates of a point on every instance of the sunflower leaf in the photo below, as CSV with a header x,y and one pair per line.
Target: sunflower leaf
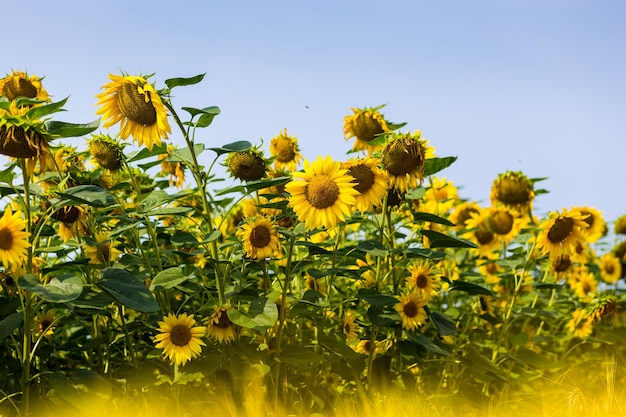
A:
x,y
469,287
239,146
179,82
439,240
168,278
70,130
41,111
89,194
444,324
128,290
10,323
59,290
252,186
434,165
372,296
429,217
184,154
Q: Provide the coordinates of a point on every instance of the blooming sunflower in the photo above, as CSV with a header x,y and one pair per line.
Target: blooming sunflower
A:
x,y
106,152
349,326
463,212
561,267
260,238
503,223
610,268
513,190
620,225
285,149
424,279
440,196
411,310
480,233
580,325
103,252
220,328
246,165
583,282
180,338
136,105
366,125
370,182
403,159
20,84
597,226
561,232
13,238
43,323
323,194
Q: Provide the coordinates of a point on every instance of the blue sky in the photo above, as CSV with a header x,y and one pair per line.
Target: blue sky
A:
x,y
523,85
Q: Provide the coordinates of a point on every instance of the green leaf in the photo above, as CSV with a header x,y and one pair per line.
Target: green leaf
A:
x,y
426,344
128,290
252,186
298,355
179,82
85,390
57,290
469,287
168,278
429,217
439,240
70,130
168,211
147,153
89,194
193,111
153,200
184,154
10,323
214,235
261,315
338,347
372,247
444,324
184,238
382,318
372,296
239,146
434,165
41,111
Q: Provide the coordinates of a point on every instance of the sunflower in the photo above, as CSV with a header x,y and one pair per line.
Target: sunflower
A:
x,y
220,328
43,323
370,182
260,238
594,219
180,338
562,267
246,165
610,268
620,225
20,84
480,233
175,169
137,106
561,232
22,137
513,190
503,223
463,212
315,284
106,152
411,310
440,196
13,239
349,326
580,325
366,125
403,159
323,194
285,149
583,283
102,252
424,279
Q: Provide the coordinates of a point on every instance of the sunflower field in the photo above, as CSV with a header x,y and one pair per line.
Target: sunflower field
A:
x,y
137,280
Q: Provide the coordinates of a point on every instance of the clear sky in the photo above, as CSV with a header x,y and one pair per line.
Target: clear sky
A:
x,y
537,86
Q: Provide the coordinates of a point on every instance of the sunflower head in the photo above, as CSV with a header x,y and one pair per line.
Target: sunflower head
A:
x,y
369,180
20,84
246,165
106,152
366,125
403,159
512,189
561,233
21,136
411,310
620,225
610,268
134,103
260,238
221,328
463,212
13,239
180,338
285,149
596,227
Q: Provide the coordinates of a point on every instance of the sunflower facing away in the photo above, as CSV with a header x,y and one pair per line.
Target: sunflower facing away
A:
x,y
180,338
365,124
220,328
136,105
369,180
411,310
246,165
20,84
513,190
323,194
260,238
561,232
13,238
285,149
106,152
403,159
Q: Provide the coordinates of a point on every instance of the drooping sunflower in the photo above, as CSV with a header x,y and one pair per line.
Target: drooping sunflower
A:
x,y
440,196
561,232
366,125
620,225
403,159
369,180
134,103
13,239
424,279
285,149
103,252
20,84
220,328
20,135
580,325
610,268
180,338
106,152
597,226
513,190
246,165
260,238
323,194
411,310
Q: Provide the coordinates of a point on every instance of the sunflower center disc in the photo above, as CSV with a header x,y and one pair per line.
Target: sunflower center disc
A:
x,y
402,157
513,191
180,335
501,222
19,88
560,230
285,152
421,281
364,177
367,128
224,322
322,192
410,309
562,263
589,219
6,239
483,236
466,215
260,237
134,106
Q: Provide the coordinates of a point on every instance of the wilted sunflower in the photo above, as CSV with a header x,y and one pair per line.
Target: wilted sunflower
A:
x,y
580,325
561,232
323,194
369,180
610,268
137,106
440,196
285,149
424,279
21,136
20,84
220,328
366,125
514,190
403,159
246,165
103,252
180,338
594,219
106,152
260,238
620,225
13,239
411,310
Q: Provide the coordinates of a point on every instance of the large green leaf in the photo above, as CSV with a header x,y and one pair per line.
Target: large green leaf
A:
x,y
41,111
429,217
168,278
85,390
184,154
128,290
469,287
10,323
89,194
261,315
239,146
439,240
57,290
183,81
372,247
434,165
153,200
372,296
444,324
71,130
298,355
